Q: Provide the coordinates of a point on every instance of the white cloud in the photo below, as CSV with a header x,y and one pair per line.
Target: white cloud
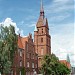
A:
x,y
63,41
59,8
59,18
8,21
62,34
61,1
72,57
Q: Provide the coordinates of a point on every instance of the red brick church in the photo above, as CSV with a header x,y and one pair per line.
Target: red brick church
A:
x,y
29,54
27,59
42,39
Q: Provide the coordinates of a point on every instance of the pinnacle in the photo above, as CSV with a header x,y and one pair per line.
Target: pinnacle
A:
x,y
41,9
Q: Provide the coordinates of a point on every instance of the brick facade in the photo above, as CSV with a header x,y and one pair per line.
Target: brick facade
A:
x,y
29,53
66,63
30,57
42,39
25,57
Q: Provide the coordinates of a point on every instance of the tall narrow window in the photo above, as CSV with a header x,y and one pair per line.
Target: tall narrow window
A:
x,y
47,41
27,64
20,72
41,39
28,55
42,30
32,56
32,65
36,65
21,63
38,30
21,53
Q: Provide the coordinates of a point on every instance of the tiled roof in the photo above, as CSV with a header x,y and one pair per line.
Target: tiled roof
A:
x,y
24,39
63,61
20,42
66,63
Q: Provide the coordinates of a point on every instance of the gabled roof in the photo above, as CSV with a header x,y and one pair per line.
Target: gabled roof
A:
x,y
66,63
41,8
63,61
24,39
20,42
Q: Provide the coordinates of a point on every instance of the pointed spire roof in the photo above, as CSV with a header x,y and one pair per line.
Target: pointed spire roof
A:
x,y
41,9
42,21
68,59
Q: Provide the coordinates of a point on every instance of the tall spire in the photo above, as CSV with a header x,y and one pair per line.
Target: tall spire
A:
x,y
42,9
68,59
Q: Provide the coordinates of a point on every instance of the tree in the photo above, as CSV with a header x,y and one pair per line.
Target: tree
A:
x,y
52,66
63,69
8,45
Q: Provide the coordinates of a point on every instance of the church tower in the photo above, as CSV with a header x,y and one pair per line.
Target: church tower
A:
x,y
42,39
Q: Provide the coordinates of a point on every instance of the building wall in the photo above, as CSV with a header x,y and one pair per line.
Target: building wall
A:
x,y
42,39
25,57
32,53
30,57
42,42
72,70
18,62
66,63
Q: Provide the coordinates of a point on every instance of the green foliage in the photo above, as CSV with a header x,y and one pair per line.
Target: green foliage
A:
x,y
52,66
8,45
23,71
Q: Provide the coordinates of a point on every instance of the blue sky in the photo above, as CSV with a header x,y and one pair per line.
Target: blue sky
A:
x,y
60,14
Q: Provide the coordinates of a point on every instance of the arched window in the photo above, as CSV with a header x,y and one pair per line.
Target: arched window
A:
x,y
42,30
32,65
41,39
38,30
20,63
27,64
21,53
